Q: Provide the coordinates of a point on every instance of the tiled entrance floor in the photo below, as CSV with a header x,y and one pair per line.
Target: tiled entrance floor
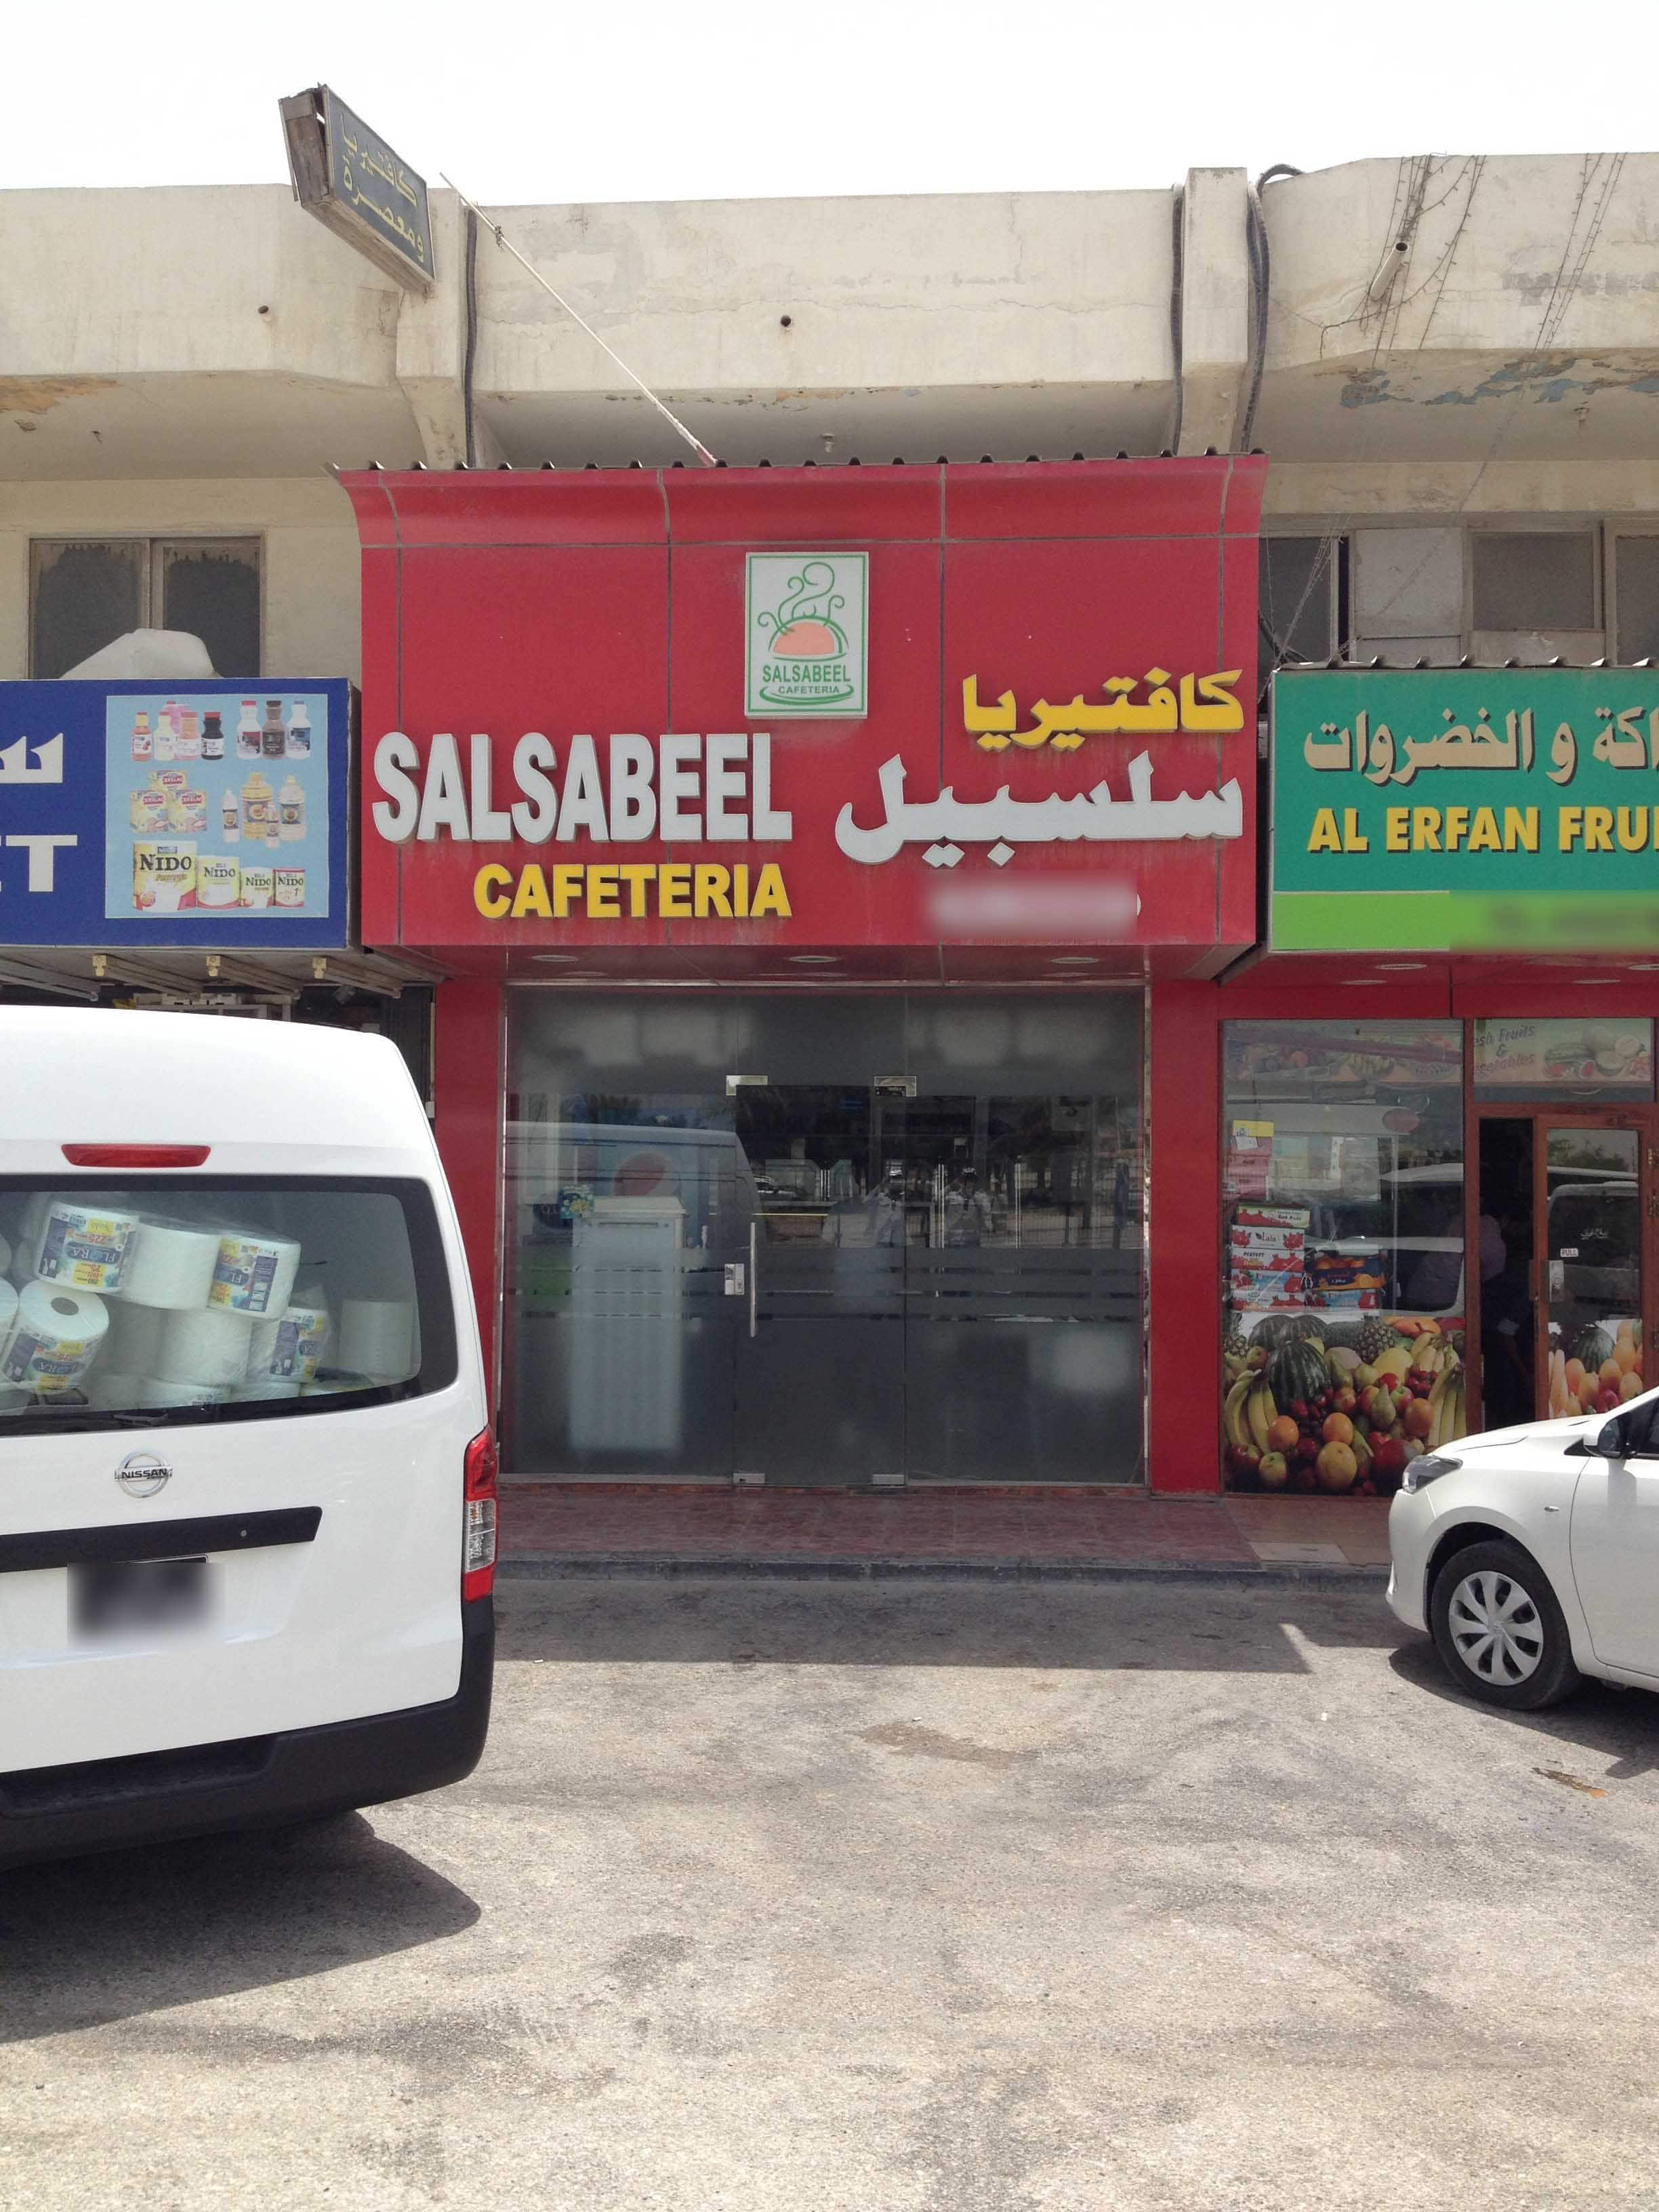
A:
x,y
573,1523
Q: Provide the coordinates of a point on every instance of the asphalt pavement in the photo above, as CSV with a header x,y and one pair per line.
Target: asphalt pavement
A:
x,y
783,1896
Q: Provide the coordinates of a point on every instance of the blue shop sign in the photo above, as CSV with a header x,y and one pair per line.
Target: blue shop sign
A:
x,y
202,815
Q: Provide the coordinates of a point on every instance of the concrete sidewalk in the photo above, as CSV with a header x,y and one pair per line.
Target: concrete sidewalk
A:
x,y
606,1527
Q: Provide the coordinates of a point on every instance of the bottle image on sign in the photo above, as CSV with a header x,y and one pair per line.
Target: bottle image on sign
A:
x,y
247,731
166,738
273,736
142,743
804,633
231,818
213,737
256,800
291,810
299,733
187,743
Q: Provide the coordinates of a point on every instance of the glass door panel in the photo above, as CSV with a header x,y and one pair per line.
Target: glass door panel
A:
x,y
1592,1239
819,1391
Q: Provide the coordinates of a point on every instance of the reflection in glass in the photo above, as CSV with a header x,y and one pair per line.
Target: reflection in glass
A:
x,y
1593,1268
1343,1335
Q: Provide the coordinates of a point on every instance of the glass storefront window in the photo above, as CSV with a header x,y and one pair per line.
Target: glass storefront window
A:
x,y
826,1239
1343,1337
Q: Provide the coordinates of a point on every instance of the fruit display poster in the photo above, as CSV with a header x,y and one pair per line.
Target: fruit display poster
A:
x,y
216,804
1606,1058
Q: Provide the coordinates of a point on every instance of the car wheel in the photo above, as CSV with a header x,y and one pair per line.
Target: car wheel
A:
x,y
1499,1631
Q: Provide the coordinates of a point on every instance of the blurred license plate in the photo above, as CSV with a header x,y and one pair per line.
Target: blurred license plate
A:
x,y
119,1600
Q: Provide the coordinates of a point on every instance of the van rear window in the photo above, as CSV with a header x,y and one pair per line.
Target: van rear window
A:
x,y
169,1298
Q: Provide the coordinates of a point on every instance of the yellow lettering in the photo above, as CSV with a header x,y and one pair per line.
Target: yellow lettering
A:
x,y
1425,828
636,874
709,886
1322,837
1520,829
1569,824
531,897
1635,838
674,890
1395,821
602,894
770,896
1457,827
1598,829
740,891
489,891
566,886
1483,837
1352,840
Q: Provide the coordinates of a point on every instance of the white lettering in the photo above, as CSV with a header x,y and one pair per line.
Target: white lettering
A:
x,y
584,795
769,823
724,751
394,756
633,800
40,850
491,825
535,814
443,801
680,780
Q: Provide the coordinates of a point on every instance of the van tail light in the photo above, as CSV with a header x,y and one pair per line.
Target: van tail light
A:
x,y
478,1550
136,1156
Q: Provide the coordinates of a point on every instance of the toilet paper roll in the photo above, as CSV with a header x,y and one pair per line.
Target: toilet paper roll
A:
x,y
114,1391
268,1386
377,1337
84,1246
153,1393
134,1342
208,1345
331,1382
291,1347
254,1274
55,1337
170,1264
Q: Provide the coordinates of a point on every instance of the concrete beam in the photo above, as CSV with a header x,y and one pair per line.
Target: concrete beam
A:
x,y
431,361
1215,305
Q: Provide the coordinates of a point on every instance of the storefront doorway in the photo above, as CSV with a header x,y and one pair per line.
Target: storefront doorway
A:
x,y
1563,1228
825,1240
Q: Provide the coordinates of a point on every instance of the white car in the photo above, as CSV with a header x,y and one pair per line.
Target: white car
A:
x,y
1531,1555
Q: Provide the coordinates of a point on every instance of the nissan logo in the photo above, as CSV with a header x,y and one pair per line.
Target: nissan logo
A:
x,y
141,1473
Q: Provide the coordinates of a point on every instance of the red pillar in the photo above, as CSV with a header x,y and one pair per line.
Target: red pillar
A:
x,y
1183,1240
468,1079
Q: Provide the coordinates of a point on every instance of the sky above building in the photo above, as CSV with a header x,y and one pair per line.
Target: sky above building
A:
x,y
532,104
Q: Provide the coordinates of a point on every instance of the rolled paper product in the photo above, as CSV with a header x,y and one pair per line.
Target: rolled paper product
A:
x,y
291,1347
152,1392
84,1246
377,1337
170,1264
254,1274
55,1337
112,1390
332,1381
268,1386
134,1342
208,1345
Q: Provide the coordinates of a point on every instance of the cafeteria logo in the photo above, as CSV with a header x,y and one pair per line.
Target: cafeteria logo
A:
x,y
805,648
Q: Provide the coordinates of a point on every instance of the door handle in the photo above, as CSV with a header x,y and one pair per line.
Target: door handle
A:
x,y
753,1279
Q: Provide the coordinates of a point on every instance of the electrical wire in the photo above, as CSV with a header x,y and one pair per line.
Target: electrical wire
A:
x,y
610,351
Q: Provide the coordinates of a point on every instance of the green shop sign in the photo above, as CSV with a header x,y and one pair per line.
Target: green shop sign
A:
x,y
1437,809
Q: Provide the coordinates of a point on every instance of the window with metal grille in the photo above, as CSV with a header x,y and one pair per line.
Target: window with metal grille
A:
x,y
85,593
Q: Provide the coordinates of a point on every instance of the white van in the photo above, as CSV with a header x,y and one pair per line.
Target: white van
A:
x,y
247,1481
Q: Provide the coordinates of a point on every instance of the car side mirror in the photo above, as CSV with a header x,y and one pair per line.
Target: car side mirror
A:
x,y
1612,1440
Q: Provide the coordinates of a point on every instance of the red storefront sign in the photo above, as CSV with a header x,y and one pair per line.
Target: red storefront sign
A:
x,y
619,712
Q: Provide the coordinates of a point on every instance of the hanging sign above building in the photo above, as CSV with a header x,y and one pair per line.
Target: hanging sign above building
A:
x,y
1433,809
576,741
135,814
349,178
